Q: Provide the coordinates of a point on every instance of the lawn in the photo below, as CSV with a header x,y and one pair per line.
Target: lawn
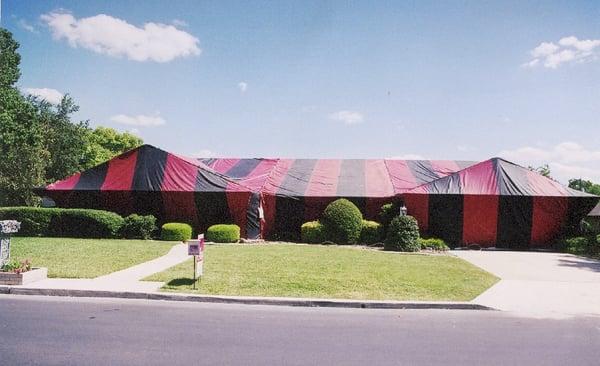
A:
x,y
86,258
292,270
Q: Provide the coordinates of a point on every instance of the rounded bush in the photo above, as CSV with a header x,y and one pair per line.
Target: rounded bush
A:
x,y
403,235
175,231
342,222
138,227
370,232
223,233
387,214
312,232
433,244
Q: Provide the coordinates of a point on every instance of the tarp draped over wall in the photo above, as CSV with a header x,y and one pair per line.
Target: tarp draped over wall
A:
x,y
497,203
487,203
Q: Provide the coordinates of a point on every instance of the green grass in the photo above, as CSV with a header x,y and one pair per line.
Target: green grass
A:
x,y
86,258
328,272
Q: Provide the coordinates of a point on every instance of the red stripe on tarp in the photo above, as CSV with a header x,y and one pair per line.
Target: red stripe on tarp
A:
x,y
223,165
269,198
322,187
401,176
543,186
444,167
257,178
178,186
119,175
479,179
418,207
238,203
65,184
480,219
378,187
549,215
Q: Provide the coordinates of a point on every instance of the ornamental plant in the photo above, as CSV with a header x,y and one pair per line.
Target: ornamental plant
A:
x,y
342,222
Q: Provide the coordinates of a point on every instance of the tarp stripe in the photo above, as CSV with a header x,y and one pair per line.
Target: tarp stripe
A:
x,y
480,219
243,168
297,177
269,200
149,169
222,165
401,175
92,179
418,207
65,184
446,217
514,221
324,179
479,179
351,182
119,176
378,187
444,167
548,218
422,171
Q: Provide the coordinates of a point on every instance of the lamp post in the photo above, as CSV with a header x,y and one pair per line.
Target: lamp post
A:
x,y
7,227
403,210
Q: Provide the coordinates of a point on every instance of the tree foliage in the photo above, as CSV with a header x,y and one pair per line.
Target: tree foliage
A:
x,y
584,186
542,169
39,143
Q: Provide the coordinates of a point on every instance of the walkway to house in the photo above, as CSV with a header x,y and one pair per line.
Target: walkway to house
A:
x,y
125,280
539,284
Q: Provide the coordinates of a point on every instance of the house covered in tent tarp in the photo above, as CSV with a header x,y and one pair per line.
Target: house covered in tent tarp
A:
x,y
148,180
493,202
497,203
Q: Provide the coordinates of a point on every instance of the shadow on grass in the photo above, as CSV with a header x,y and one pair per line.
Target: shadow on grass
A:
x,y
180,282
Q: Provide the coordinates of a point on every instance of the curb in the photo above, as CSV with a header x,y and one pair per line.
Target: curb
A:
x,y
277,301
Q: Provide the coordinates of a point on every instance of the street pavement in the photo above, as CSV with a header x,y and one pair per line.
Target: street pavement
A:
x,y
64,331
538,283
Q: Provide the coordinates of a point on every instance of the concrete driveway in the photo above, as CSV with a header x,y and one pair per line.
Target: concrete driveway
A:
x,y
539,284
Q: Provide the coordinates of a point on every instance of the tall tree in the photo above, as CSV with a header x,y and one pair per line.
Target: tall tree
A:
x,y
584,186
22,151
104,143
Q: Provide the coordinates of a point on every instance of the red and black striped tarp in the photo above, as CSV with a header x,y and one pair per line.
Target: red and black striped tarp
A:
x,y
148,180
497,203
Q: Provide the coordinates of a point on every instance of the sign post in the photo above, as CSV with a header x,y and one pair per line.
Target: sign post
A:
x,y
196,249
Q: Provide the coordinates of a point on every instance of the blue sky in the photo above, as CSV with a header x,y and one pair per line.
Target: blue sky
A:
x,y
462,80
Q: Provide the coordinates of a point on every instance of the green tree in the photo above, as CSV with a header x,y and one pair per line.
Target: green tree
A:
x,y
22,150
584,186
542,169
104,143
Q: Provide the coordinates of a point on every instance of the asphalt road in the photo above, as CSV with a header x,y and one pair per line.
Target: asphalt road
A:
x,y
62,331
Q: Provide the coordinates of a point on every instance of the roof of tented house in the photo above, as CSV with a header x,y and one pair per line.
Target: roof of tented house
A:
x,y
595,211
497,176
334,177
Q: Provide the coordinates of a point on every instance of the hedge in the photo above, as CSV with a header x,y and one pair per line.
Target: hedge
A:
x,y
403,235
175,231
138,227
371,232
76,223
342,222
312,232
223,233
433,244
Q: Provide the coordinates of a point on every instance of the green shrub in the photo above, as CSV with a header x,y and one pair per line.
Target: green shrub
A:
x,y
312,232
175,231
387,214
598,239
433,244
138,227
35,221
577,245
371,232
84,223
403,235
342,222
223,233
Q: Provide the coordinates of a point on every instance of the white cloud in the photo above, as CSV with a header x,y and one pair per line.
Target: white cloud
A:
x,y
139,120
409,157
347,117
569,49
566,160
115,37
25,25
134,131
179,23
50,95
243,86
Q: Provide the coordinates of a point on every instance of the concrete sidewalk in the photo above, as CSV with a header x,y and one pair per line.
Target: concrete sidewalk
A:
x,y
539,284
127,280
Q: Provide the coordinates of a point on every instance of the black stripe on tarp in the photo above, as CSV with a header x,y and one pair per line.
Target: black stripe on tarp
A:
x,y
352,182
252,219
422,171
147,181
243,168
289,203
93,178
446,217
212,208
578,208
515,218
463,164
